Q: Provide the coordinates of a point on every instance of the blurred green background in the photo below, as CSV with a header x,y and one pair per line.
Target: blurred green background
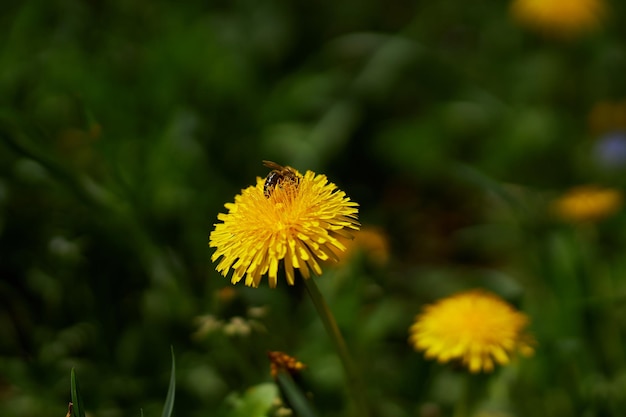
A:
x,y
126,125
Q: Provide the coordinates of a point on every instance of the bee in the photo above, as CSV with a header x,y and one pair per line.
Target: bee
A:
x,y
278,174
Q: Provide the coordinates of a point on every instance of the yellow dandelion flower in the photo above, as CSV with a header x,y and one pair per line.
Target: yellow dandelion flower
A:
x,y
372,241
225,294
608,116
294,221
476,327
563,18
587,203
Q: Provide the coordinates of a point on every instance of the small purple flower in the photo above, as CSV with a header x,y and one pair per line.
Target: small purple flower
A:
x,y
610,150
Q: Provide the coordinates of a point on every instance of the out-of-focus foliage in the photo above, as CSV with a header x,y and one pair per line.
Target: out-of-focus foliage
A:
x,y
126,125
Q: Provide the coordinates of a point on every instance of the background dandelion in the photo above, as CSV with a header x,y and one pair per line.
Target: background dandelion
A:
x,y
475,327
563,18
588,203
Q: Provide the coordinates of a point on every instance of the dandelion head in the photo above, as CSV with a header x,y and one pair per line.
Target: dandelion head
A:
x,y
607,116
474,327
372,241
587,203
287,219
560,18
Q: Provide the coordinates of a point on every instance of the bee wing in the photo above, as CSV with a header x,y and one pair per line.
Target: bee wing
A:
x,y
273,165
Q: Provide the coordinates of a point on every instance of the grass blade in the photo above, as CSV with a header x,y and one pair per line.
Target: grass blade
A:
x,y
294,396
171,391
77,400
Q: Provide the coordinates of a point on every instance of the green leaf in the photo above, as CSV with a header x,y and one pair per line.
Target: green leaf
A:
x,y
171,391
256,401
77,400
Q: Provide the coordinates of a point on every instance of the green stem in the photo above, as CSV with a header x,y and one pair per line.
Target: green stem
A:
x,y
462,407
355,385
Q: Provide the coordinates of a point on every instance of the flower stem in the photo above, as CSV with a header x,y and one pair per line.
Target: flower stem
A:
x,y
355,386
462,407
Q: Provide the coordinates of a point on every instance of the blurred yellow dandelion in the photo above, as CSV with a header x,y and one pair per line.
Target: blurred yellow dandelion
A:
x,y
295,221
562,18
608,116
225,294
371,240
476,327
587,203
